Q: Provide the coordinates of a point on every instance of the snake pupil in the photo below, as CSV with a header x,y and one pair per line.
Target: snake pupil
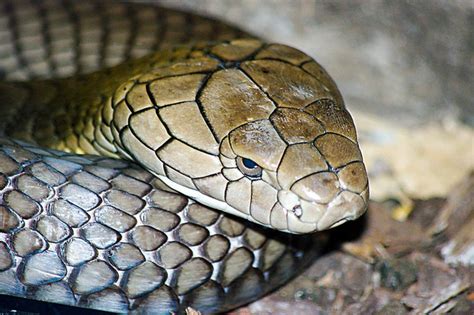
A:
x,y
249,168
249,163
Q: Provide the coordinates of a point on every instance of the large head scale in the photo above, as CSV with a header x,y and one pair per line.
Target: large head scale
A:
x,y
256,130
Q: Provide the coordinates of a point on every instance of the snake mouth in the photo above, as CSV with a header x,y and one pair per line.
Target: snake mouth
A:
x,y
340,222
308,216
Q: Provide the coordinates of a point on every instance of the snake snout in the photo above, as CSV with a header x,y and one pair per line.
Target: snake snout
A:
x,y
326,199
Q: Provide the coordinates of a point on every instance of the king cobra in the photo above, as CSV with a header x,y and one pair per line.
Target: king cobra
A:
x,y
153,160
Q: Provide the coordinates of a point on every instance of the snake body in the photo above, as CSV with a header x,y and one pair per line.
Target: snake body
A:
x,y
255,130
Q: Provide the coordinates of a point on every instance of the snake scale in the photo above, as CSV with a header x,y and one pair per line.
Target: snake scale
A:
x,y
152,160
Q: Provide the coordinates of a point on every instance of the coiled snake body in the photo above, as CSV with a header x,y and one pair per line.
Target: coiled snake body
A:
x,y
223,127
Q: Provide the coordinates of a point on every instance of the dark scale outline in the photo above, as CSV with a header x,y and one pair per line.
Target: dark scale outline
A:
x,y
177,230
139,81
260,88
276,59
286,61
152,98
217,234
130,14
222,156
46,37
76,48
102,112
309,175
295,109
241,272
342,104
80,21
279,165
277,129
102,150
201,107
161,28
311,143
301,65
188,33
149,187
342,109
129,104
203,112
115,100
100,10
162,147
282,60
91,143
333,101
252,183
115,109
174,104
337,134
98,130
220,148
208,177
184,140
235,180
253,121
96,178
286,215
12,23
337,170
227,191
292,65
125,46
314,103
177,274
155,107
139,138
157,253
167,169
230,64
21,112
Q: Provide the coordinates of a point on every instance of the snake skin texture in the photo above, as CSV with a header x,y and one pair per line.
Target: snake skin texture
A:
x,y
60,38
223,125
234,95
243,100
105,234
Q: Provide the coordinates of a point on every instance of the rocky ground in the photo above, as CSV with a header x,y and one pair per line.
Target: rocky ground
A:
x,y
379,265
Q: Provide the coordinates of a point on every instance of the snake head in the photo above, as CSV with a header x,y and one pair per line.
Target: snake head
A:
x,y
256,130
299,179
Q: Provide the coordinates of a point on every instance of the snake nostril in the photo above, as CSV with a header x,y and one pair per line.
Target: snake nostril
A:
x,y
298,211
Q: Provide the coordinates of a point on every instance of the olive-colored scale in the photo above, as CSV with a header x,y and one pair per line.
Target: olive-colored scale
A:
x,y
251,129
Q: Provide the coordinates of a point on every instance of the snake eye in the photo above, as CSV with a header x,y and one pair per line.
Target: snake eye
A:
x,y
249,168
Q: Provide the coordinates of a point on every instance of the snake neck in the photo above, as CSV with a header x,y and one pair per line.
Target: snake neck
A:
x,y
61,114
78,114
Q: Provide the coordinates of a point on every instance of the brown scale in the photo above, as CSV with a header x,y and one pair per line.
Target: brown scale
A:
x,y
252,98
86,250
256,130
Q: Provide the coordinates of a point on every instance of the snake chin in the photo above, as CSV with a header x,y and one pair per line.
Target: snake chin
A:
x,y
305,216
